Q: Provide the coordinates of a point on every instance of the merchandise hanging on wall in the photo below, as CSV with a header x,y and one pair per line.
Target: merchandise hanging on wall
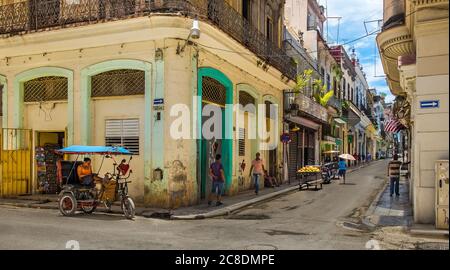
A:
x,y
46,168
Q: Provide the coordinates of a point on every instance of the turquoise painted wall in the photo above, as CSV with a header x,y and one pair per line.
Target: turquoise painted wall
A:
x,y
227,144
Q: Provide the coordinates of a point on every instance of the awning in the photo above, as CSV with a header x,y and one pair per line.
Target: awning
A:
x,y
91,150
304,122
340,121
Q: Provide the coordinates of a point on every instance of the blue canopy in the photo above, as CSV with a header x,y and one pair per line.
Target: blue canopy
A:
x,y
88,150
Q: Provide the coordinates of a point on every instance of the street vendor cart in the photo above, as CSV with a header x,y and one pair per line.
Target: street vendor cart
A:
x,y
309,176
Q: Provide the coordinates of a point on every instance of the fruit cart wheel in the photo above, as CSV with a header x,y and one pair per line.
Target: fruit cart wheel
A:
x,y
67,204
128,208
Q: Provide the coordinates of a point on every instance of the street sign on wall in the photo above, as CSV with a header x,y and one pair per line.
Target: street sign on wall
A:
x,y
429,104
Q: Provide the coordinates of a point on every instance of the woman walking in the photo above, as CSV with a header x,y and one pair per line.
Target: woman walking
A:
x,y
258,170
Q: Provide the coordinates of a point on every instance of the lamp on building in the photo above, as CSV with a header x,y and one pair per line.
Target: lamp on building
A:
x,y
295,128
194,34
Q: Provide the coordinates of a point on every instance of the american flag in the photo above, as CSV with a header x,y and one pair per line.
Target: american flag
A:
x,y
393,126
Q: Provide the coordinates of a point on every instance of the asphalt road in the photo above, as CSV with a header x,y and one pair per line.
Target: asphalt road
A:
x,y
301,220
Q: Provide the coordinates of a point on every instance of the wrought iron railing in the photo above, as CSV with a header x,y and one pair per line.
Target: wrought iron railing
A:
x,y
306,105
40,15
335,103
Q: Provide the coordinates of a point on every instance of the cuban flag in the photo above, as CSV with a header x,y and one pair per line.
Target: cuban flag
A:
x,y
393,126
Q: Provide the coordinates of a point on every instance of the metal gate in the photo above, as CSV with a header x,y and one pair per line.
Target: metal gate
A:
x,y
15,161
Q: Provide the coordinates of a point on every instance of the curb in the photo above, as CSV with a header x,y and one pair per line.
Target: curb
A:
x,y
233,208
366,220
424,232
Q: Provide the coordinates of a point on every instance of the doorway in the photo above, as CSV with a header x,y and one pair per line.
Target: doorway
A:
x,y
216,89
46,160
213,96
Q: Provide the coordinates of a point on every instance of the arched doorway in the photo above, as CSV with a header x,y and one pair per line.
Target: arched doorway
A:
x,y
247,135
216,92
272,159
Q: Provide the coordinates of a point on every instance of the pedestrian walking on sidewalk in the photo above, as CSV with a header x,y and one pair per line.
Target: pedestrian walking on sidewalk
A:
x,y
258,171
342,169
394,175
217,175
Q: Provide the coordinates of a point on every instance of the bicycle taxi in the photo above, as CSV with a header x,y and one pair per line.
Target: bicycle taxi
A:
x,y
113,186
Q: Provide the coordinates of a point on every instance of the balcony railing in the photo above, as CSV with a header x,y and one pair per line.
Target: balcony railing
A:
x,y
335,103
41,15
306,106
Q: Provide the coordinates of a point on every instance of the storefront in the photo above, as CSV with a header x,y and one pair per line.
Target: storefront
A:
x,y
303,148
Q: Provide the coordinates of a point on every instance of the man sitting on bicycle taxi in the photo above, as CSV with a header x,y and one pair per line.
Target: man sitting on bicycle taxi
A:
x,y
84,172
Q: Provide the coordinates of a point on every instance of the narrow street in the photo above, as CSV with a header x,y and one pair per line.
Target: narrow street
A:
x,y
324,219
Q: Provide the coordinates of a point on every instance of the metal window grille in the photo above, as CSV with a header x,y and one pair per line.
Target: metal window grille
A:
x,y
122,82
241,142
50,88
245,98
123,132
213,91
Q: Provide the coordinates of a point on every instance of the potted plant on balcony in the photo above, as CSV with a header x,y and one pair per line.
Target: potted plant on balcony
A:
x,y
321,93
302,81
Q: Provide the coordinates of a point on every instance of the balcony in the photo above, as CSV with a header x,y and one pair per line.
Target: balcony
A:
x,y
394,13
28,17
306,106
335,103
394,41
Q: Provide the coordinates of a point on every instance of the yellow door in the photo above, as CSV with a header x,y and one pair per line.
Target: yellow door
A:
x,y
15,162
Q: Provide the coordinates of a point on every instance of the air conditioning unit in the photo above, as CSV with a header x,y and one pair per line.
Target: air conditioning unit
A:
x,y
441,169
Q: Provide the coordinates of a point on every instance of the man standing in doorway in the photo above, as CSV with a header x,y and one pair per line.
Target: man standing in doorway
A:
x,y
394,175
217,175
258,170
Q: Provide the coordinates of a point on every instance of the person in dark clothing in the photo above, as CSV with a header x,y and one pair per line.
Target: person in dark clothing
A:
x,y
217,175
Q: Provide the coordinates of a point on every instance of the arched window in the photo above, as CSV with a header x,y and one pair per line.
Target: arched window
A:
x,y
121,82
50,88
213,91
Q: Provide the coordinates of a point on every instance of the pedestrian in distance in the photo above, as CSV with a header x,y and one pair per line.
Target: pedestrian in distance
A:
x,y
394,175
217,175
342,169
257,169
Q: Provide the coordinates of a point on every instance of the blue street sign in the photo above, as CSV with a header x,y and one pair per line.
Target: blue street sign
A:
x,y
158,101
428,104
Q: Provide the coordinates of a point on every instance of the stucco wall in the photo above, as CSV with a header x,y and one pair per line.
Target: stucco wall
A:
x,y
120,108
430,129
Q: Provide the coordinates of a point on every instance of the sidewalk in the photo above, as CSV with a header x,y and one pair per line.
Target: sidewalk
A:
x,y
391,211
199,211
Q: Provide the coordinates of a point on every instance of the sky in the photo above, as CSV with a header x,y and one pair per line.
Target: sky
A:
x,y
351,26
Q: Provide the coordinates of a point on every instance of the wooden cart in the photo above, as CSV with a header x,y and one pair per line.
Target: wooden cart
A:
x,y
309,179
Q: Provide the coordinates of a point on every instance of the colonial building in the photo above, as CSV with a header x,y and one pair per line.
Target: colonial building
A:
x,y
110,72
414,48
